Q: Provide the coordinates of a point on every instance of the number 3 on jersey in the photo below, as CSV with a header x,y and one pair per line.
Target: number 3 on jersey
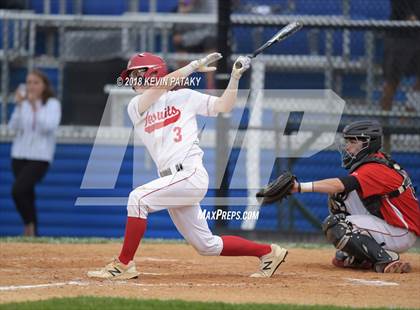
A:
x,y
178,135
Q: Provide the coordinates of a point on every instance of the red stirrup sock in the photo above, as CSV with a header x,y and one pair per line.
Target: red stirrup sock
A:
x,y
134,231
237,246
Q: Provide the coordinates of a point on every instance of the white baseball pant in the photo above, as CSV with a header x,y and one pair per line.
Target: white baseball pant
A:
x,y
179,193
394,238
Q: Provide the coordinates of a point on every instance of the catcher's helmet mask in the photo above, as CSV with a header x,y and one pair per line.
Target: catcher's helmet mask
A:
x,y
351,146
366,134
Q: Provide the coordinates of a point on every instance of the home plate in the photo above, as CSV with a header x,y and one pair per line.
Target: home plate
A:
x,y
371,282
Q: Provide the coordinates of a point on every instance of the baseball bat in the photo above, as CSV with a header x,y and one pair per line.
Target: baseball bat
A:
x,y
281,35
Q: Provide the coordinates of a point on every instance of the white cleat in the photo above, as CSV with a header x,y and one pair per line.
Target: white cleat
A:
x,y
115,271
270,262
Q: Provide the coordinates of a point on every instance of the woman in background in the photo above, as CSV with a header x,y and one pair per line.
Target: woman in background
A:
x,y
35,119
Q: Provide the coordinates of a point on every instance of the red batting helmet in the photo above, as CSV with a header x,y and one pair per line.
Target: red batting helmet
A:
x,y
154,64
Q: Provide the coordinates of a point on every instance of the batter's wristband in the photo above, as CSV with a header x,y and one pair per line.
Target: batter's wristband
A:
x,y
299,188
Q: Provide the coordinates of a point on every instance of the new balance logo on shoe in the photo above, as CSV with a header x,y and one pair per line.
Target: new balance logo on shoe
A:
x,y
267,265
270,262
114,272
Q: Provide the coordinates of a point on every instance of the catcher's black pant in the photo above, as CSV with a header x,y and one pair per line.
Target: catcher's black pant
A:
x,y
27,173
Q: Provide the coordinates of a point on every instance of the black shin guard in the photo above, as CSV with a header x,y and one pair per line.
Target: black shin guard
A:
x,y
363,247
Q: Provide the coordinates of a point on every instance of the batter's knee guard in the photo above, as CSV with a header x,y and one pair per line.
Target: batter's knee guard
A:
x,y
135,206
340,232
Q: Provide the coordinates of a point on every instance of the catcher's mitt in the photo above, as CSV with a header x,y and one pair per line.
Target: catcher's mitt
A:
x,y
277,189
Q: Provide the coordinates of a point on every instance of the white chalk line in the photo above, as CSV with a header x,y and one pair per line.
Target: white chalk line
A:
x,y
371,282
154,274
102,283
154,259
182,284
23,287
175,284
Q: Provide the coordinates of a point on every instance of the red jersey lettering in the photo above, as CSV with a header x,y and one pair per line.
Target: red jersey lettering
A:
x,y
161,119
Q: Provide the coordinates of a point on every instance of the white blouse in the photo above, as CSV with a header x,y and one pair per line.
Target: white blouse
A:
x,y
35,130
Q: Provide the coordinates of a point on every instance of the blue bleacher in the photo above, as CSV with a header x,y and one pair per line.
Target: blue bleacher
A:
x,y
372,9
100,7
58,216
362,9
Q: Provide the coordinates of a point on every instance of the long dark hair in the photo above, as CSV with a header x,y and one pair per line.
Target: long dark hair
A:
x,y
48,91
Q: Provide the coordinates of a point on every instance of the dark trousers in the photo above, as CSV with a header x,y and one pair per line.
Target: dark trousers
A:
x,y
27,173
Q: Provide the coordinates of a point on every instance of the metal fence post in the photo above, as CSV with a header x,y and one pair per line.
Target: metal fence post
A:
x,y
62,9
133,6
151,32
125,39
222,78
61,61
77,7
329,45
253,140
23,36
143,38
370,52
346,32
5,72
152,6
165,41
16,33
31,45
47,7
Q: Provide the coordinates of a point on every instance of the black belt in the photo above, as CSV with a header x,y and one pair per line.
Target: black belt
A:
x,y
168,171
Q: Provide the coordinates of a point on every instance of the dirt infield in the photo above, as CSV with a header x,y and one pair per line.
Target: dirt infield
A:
x,y
174,271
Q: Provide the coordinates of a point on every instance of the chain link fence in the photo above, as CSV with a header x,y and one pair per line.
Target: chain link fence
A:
x,y
366,52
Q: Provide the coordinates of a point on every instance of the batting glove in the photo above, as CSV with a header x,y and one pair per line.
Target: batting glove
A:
x,y
240,66
201,65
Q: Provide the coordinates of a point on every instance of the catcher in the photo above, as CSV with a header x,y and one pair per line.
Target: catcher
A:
x,y
374,211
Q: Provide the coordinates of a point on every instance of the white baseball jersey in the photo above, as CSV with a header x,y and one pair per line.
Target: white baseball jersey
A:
x,y
169,131
168,128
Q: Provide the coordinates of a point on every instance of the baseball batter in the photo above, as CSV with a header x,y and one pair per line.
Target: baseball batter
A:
x,y
166,123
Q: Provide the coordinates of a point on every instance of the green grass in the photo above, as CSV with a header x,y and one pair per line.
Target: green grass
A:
x,y
68,240
152,304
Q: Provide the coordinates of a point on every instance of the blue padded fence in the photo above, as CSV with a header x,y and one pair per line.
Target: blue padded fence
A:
x,y
58,216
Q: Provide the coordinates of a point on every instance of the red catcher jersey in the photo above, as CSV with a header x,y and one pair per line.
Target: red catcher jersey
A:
x,y
377,179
